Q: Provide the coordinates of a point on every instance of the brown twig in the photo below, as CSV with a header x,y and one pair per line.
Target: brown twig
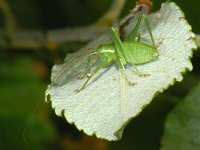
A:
x,y
11,23
148,3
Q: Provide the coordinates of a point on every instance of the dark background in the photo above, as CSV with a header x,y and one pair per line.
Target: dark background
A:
x,y
27,122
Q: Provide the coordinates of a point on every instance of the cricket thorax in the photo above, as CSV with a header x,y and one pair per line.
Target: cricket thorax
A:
x,y
107,51
108,48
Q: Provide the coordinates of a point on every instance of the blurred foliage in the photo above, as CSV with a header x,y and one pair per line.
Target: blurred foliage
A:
x,y
182,127
24,75
21,90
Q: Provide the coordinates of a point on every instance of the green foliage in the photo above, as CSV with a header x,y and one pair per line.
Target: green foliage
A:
x,y
20,92
182,127
25,10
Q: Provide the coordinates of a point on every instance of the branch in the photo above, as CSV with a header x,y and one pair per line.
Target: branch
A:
x,y
112,14
11,23
33,39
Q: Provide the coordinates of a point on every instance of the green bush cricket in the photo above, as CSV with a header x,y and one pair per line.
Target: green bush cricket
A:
x,y
131,50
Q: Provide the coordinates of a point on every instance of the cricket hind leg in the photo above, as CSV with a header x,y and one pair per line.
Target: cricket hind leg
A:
x,y
134,33
135,36
138,72
119,51
149,30
93,73
126,77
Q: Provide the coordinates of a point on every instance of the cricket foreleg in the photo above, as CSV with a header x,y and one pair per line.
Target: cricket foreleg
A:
x,y
93,73
86,70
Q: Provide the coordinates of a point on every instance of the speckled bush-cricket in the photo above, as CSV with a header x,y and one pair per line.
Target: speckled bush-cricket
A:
x,y
131,50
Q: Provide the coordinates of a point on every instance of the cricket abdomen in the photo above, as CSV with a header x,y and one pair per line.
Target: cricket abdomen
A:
x,y
139,52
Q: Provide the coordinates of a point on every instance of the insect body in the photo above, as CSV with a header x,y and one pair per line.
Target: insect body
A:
x,y
131,50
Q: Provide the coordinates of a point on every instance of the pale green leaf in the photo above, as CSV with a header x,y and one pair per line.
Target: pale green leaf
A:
x,y
106,105
182,127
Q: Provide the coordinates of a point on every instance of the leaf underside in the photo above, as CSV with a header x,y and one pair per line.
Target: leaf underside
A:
x,y
107,104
